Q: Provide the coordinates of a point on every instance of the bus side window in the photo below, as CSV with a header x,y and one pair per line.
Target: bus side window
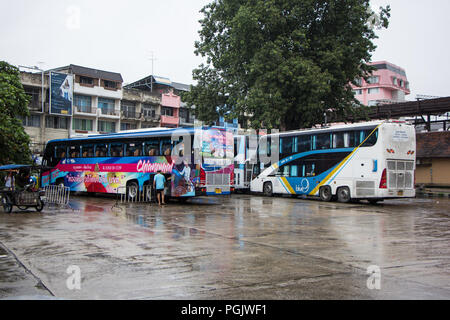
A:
x,y
60,152
74,151
100,150
372,140
304,143
116,150
166,147
338,140
133,149
151,148
353,138
310,169
294,171
286,145
87,151
323,141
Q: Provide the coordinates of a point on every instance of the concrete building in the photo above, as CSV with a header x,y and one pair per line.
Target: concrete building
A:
x,y
171,111
96,100
101,104
387,84
433,159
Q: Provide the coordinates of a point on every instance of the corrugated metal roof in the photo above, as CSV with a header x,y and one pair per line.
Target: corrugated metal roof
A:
x,y
181,86
95,73
433,144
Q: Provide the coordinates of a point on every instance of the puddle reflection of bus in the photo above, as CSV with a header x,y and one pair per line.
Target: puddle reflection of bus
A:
x,y
195,162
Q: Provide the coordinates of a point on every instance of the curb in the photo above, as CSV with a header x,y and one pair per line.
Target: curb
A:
x,y
433,194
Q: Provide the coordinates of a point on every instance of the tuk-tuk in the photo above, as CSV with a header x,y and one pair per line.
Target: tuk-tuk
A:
x,y
20,189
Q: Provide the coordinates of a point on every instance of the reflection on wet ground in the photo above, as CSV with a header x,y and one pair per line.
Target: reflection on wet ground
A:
x,y
238,247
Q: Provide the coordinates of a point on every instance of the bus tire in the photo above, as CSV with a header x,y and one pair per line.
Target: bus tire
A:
x,y
268,189
132,190
325,193
343,194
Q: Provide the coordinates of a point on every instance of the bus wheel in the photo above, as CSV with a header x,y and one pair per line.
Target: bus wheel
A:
x,y
343,194
268,189
325,193
132,190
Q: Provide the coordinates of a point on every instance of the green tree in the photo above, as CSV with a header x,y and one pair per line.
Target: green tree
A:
x,y
14,141
282,63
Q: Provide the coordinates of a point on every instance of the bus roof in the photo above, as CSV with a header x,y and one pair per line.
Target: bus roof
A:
x,y
137,133
336,127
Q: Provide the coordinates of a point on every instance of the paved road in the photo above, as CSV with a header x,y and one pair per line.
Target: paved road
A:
x,y
239,247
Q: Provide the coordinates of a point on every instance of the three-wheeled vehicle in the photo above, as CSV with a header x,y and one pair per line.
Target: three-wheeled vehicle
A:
x,y
20,189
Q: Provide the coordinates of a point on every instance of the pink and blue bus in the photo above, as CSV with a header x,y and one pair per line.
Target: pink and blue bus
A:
x,y
198,161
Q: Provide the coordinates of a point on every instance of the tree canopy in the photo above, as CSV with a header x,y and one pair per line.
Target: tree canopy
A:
x,y
14,141
282,63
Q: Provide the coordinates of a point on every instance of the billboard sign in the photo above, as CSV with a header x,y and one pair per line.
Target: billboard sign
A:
x,y
61,93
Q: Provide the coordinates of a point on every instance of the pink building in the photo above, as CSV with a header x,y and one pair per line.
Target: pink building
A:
x,y
387,84
170,106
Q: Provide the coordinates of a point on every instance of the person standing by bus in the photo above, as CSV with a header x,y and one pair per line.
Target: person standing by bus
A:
x,y
158,184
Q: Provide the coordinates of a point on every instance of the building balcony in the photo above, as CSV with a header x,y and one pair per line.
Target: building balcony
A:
x,y
129,115
97,91
168,120
37,107
149,118
108,113
186,121
85,111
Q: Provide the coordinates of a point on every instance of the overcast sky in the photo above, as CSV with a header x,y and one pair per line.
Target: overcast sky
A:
x,y
120,36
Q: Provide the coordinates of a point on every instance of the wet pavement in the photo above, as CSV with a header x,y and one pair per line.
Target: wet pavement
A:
x,y
238,247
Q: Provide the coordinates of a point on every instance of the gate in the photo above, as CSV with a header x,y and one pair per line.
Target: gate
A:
x,y
131,195
58,195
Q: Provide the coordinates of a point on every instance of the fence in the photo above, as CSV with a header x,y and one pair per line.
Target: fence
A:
x,y
58,195
132,195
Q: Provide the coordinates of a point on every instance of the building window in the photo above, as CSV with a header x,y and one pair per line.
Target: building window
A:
x,y
106,105
106,126
358,82
110,84
128,109
357,92
373,90
128,126
87,81
82,103
394,80
372,103
82,124
33,92
166,111
373,79
31,121
57,122
148,111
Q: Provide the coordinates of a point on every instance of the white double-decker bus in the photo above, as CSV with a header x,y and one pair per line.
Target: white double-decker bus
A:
x,y
366,161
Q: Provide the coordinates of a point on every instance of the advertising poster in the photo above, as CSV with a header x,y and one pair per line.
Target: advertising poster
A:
x,y
61,93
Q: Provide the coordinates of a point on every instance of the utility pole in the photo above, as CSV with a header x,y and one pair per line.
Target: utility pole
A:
x,y
152,58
